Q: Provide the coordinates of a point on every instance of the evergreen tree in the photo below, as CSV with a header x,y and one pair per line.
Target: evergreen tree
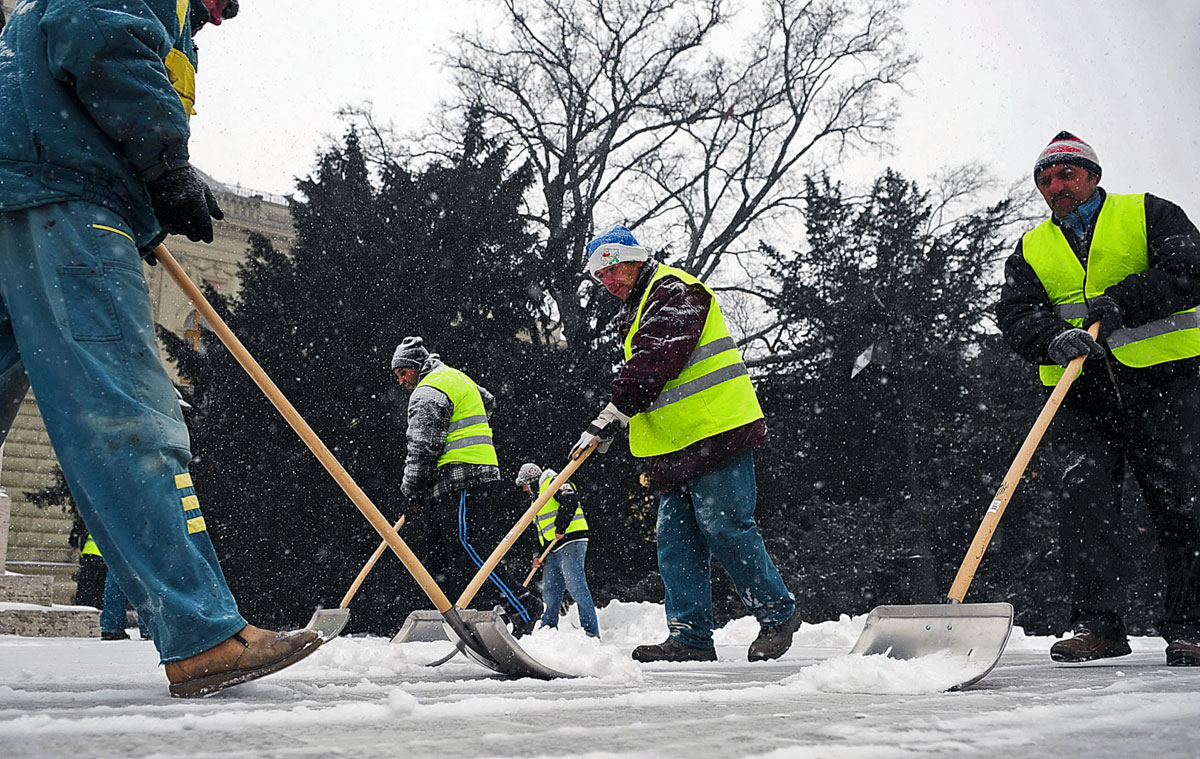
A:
x,y
875,457
437,252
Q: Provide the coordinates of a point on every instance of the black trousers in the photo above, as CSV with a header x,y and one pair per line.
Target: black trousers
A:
x,y
460,533
1155,433
89,585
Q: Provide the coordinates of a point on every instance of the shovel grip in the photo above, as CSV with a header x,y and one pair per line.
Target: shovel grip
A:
x,y
991,520
306,433
532,572
476,583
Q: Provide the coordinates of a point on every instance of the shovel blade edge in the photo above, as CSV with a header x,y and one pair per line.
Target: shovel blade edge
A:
x,y
976,633
500,651
329,623
421,627
506,656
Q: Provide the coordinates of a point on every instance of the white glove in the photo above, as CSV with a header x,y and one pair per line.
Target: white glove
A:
x,y
602,429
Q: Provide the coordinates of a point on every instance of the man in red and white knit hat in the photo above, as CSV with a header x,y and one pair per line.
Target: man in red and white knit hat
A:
x,y
1130,263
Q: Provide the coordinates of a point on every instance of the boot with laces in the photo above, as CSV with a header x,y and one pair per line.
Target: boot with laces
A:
x,y
1184,653
773,641
673,650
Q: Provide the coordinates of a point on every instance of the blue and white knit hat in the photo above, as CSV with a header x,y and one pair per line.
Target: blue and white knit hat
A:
x,y
616,246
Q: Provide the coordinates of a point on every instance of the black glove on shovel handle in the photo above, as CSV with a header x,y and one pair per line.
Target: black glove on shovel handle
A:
x,y
1073,343
1105,310
184,205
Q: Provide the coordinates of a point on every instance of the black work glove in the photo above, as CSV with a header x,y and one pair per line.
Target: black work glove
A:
x,y
1106,310
1072,344
184,204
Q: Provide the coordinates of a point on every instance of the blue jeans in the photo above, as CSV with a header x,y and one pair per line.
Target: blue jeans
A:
x,y
713,515
112,616
75,311
564,571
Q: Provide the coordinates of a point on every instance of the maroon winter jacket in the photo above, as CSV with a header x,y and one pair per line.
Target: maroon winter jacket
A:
x,y
670,329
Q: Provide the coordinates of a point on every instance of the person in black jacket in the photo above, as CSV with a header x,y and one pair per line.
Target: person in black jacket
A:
x,y
1132,264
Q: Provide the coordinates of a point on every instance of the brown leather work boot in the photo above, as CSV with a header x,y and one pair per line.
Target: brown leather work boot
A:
x,y
1085,645
1184,653
248,655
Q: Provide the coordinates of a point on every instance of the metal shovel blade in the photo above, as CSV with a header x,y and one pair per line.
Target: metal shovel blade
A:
x,y
503,653
423,627
329,623
498,649
976,633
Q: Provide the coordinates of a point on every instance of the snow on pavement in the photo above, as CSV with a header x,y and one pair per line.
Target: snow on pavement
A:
x,y
364,697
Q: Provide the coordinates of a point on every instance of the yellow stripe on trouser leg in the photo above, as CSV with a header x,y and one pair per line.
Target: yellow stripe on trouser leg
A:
x,y
190,503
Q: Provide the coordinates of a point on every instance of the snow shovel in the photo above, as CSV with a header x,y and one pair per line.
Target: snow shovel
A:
x,y
480,644
976,632
329,623
423,625
541,560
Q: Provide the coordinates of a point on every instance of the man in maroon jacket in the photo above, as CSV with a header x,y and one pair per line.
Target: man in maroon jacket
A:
x,y
694,419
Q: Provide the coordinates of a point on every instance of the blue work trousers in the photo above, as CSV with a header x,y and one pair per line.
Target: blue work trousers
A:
x,y
112,616
75,311
713,515
563,571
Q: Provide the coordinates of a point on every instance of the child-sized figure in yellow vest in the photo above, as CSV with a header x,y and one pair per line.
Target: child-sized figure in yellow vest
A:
x,y
561,523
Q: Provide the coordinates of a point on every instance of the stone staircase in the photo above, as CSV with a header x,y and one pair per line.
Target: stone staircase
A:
x,y
39,582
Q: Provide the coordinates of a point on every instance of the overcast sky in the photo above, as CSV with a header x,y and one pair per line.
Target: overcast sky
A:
x,y
996,81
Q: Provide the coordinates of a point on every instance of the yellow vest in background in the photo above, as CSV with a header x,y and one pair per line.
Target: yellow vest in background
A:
x,y
469,437
548,513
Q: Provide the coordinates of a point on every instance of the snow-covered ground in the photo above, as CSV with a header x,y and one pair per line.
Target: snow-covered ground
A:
x,y
363,697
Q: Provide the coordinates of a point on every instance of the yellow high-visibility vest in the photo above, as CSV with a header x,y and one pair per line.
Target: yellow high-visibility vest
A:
x,y
469,437
547,514
711,395
1118,249
89,547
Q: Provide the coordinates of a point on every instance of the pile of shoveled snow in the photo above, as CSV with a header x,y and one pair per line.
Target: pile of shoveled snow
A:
x,y
625,625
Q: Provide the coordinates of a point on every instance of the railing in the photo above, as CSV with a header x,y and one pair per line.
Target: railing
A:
x,y
246,192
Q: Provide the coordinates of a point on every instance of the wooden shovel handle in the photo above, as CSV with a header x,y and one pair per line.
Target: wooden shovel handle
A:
x,y
366,570
323,454
476,583
541,559
991,520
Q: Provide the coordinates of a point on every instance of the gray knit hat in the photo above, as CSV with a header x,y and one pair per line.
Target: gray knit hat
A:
x,y
410,354
529,475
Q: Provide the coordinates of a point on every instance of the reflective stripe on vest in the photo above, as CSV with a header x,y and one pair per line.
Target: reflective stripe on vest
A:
x,y
89,548
1118,249
468,438
712,393
547,514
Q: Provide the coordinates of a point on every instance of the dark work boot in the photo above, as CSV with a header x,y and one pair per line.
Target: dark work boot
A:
x,y
1085,645
673,650
1184,653
773,641
114,635
522,627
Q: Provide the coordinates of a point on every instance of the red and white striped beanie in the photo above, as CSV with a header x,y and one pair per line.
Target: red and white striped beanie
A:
x,y
1067,148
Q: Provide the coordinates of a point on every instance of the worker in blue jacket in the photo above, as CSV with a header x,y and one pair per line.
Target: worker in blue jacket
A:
x,y
95,97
